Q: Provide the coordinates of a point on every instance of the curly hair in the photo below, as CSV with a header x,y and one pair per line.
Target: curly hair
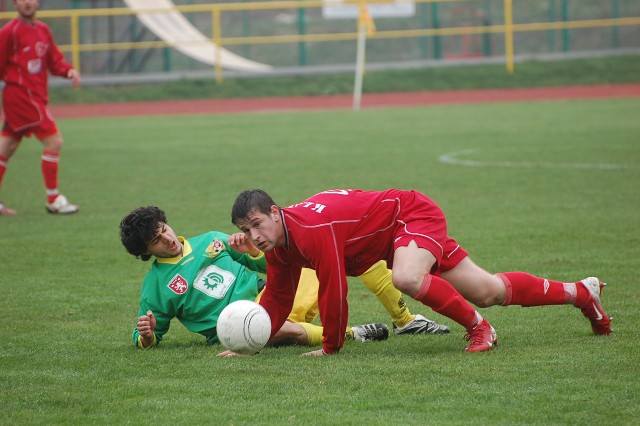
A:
x,y
139,227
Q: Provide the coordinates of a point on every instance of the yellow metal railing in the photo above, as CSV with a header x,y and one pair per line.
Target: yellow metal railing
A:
x,y
508,27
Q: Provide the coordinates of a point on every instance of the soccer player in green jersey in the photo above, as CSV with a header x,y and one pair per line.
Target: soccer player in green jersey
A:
x,y
194,279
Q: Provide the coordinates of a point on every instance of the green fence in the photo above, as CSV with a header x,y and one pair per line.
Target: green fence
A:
x,y
109,39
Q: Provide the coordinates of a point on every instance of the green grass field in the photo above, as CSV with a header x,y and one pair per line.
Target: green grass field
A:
x,y
551,188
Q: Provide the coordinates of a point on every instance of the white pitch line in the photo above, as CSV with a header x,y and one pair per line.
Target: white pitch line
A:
x,y
452,158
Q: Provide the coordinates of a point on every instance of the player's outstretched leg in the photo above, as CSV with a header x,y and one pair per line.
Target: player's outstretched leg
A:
x,y
525,289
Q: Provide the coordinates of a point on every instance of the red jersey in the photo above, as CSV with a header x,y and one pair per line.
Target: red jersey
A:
x,y
343,232
27,53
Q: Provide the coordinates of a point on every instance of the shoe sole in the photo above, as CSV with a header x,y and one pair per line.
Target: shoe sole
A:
x,y
59,212
439,330
421,325
493,346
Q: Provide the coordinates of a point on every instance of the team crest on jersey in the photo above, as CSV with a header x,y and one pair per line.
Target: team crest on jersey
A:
x,y
34,66
178,284
214,281
215,248
41,49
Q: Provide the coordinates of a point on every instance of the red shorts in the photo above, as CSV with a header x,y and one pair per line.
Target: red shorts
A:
x,y
24,115
424,222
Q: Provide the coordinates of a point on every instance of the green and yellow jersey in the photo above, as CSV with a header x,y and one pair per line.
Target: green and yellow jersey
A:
x,y
195,287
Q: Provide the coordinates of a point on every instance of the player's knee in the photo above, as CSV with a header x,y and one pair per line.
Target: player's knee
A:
x,y
53,143
407,282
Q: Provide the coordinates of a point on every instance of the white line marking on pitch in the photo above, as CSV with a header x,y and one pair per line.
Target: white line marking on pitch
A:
x,y
452,158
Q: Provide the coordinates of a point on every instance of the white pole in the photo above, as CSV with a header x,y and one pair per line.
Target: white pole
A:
x,y
360,56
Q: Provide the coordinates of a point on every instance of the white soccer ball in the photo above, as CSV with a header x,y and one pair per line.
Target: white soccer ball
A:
x,y
244,327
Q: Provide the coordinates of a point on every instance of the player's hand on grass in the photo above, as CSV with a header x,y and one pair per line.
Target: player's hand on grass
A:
x,y
319,352
146,326
229,353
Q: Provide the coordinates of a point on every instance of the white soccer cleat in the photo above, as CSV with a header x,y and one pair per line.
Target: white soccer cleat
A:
x,y
369,332
62,206
421,325
593,310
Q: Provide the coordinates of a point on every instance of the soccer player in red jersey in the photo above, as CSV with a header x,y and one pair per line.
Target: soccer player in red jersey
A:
x,y
27,54
343,232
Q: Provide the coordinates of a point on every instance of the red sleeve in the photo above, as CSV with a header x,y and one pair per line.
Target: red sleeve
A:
x,y
55,61
325,250
280,292
5,46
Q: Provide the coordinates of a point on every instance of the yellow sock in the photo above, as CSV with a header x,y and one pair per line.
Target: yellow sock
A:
x,y
348,335
314,333
378,281
305,305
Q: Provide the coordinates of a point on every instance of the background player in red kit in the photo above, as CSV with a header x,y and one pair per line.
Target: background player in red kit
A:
x,y
27,53
342,232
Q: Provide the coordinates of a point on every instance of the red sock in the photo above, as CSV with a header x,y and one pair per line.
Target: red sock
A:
x,y
49,167
3,166
527,290
440,296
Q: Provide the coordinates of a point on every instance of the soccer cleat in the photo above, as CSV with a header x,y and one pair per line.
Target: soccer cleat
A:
x,y
62,206
6,211
368,332
483,337
421,325
600,321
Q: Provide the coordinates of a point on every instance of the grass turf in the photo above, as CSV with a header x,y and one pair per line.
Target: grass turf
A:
x,y
552,189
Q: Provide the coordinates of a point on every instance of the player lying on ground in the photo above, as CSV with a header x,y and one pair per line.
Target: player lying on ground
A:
x,y
193,280
343,232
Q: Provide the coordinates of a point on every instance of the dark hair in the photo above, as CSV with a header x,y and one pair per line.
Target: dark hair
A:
x,y
249,200
139,227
